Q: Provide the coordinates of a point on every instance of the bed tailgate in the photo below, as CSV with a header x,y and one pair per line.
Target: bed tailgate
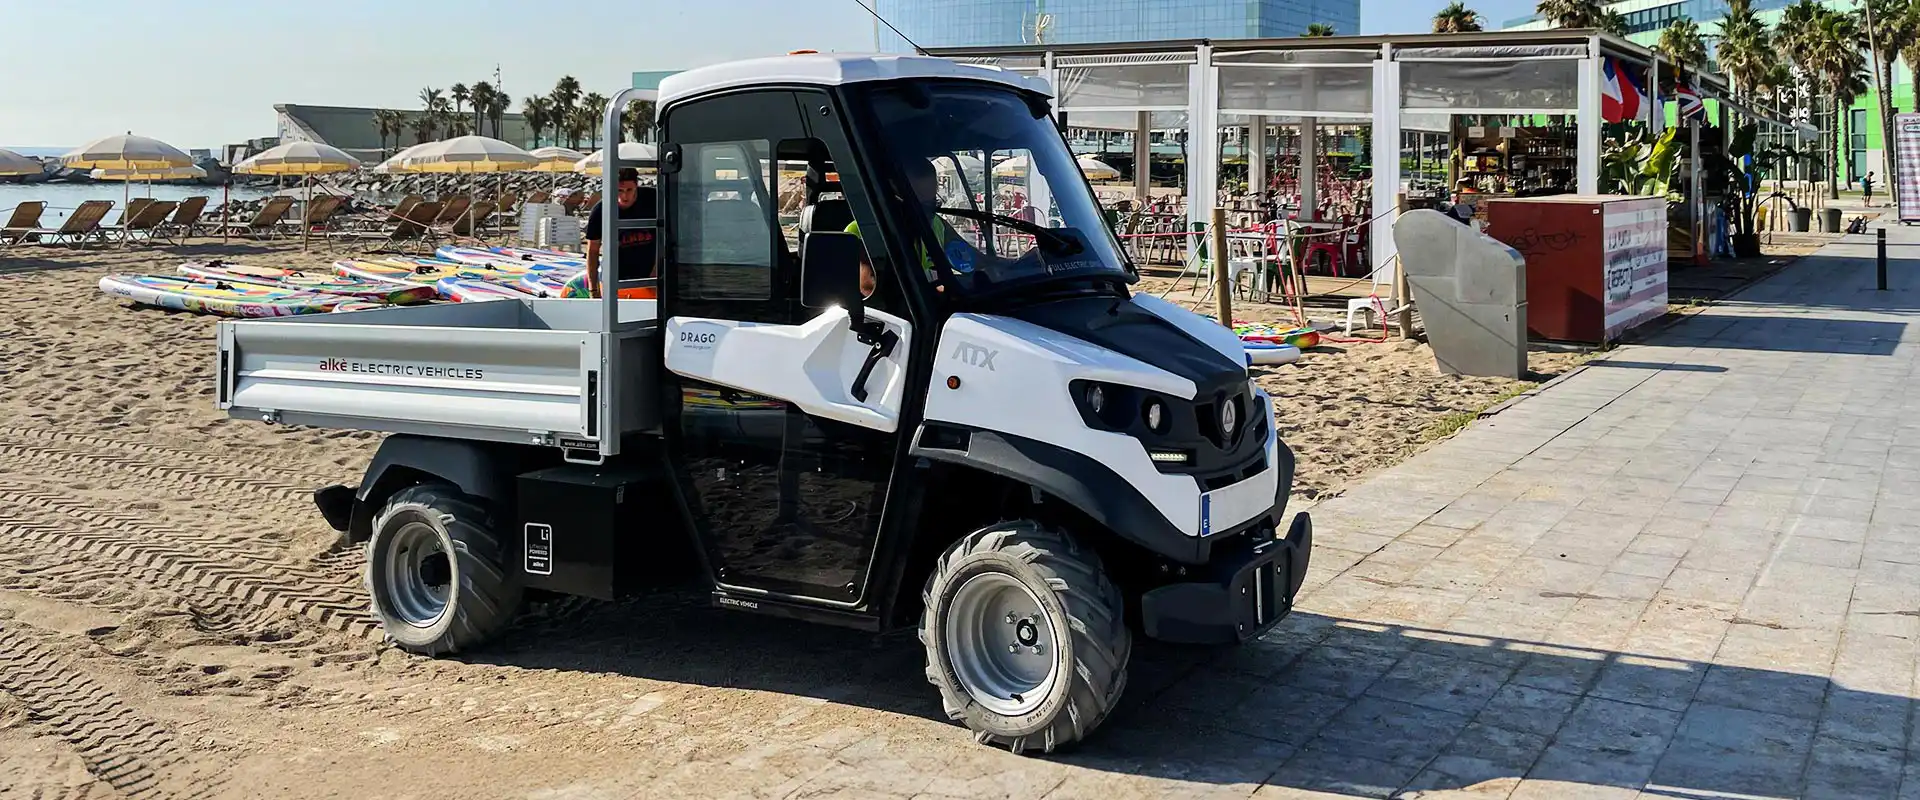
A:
x,y
516,385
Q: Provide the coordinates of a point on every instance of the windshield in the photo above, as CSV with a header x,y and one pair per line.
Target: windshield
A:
x,y
1002,197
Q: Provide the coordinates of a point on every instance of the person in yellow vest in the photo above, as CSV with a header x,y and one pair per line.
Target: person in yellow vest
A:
x,y
961,255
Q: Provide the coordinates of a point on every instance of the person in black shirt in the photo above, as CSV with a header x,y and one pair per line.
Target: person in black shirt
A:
x,y
636,247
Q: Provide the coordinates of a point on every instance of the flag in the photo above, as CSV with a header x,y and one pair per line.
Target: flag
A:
x,y
1688,99
1622,93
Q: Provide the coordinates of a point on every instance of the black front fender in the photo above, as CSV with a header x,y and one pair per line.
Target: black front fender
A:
x,y
476,468
1087,485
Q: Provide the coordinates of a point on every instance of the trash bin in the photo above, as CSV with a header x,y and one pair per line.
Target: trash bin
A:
x,y
1830,220
1802,220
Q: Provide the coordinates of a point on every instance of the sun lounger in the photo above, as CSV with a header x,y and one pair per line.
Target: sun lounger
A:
x,y
26,218
320,212
474,219
539,196
147,220
132,210
572,202
414,228
452,209
186,217
82,225
264,223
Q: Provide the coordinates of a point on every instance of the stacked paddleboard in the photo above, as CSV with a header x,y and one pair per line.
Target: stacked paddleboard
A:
x,y
1269,345
218,297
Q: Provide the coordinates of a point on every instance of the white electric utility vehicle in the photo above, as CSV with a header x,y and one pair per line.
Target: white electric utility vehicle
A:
x,y
893,375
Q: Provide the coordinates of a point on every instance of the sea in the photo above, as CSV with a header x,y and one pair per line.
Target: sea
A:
x,y
62,198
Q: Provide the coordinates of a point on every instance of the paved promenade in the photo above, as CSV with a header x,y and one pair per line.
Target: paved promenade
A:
x,y
1691,569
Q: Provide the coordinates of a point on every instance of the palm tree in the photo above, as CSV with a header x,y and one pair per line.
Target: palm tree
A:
x,y
1746,51
1456,18
1681,44
1571,13
537,110
577,124
424,127
1842,71
1613,22
497,111
1888,27
565,93
482,101
1318,29
595,106
639,119
389,123
460,95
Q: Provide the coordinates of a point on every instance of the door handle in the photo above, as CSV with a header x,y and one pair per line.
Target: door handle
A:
x,y
882,347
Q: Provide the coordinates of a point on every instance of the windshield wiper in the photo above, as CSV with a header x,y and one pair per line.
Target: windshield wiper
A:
x,y
1060,243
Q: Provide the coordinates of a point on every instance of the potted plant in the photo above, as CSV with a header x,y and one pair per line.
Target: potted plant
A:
x,y
1744,171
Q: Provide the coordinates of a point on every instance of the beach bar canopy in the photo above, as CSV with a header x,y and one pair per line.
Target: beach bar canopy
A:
x,y
1398,87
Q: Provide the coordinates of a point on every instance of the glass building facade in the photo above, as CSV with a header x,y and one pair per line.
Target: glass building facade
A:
x,y
991,23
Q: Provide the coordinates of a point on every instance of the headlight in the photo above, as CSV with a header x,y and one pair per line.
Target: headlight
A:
x,y
1154,413
1097,399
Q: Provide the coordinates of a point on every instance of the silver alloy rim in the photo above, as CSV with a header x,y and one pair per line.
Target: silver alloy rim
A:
x,y
1000,641
415,560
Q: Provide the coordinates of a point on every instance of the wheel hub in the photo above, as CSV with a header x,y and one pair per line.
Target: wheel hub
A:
x,y
418,575
998,641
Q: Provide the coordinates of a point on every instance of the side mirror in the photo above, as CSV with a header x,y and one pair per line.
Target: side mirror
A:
x,y
830,272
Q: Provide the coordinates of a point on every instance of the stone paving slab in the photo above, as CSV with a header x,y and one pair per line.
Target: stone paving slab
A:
x,y
1689,570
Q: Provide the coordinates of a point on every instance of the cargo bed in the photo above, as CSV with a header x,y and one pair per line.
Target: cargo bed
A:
x,y
526,371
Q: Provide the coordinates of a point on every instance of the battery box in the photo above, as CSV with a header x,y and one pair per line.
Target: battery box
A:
x,y
592,531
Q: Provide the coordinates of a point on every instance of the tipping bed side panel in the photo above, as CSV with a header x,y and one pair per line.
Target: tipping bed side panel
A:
x,y
500,380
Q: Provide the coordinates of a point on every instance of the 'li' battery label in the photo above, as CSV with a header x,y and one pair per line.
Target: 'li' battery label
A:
x,y
539,550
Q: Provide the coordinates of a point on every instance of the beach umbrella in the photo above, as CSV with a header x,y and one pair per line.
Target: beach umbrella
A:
x,y
1015,167
12,163
470,155
629,151
556,159
1095,169
398,162
149,175
127,152
305,159
298,158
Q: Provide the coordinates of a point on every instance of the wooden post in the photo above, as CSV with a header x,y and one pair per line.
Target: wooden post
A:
x,y
1402,292
1222,284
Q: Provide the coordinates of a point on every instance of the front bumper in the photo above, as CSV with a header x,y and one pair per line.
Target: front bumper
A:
x,y
1246,592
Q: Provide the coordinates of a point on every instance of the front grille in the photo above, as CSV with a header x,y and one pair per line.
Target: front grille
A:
x,y
1222,480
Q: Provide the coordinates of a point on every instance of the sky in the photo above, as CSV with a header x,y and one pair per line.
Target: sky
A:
x,y
206,73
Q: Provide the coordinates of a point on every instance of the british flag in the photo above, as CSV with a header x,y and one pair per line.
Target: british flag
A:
x,y
1689,101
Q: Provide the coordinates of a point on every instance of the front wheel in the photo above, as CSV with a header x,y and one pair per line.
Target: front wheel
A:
x,y
1025,636
435,571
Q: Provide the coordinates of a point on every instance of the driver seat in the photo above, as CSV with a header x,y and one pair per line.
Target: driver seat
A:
x,y
832,216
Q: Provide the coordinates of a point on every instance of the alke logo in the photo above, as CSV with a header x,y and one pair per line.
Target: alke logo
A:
x,y
333,365
974,355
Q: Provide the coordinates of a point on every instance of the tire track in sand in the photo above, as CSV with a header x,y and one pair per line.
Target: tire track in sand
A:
x,y
264,473
195,563
135,755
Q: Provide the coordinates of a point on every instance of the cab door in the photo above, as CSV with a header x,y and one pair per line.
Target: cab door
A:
x,y
782,436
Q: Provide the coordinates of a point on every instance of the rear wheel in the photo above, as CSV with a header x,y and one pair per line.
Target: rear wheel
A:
x,y
435,571
1025,637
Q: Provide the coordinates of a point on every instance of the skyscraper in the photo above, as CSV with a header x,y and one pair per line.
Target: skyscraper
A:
x,y
975,23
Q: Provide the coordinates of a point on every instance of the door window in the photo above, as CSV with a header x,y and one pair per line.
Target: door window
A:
x,y
723,242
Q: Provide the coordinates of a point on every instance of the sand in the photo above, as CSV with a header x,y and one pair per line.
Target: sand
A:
x,y
175,620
